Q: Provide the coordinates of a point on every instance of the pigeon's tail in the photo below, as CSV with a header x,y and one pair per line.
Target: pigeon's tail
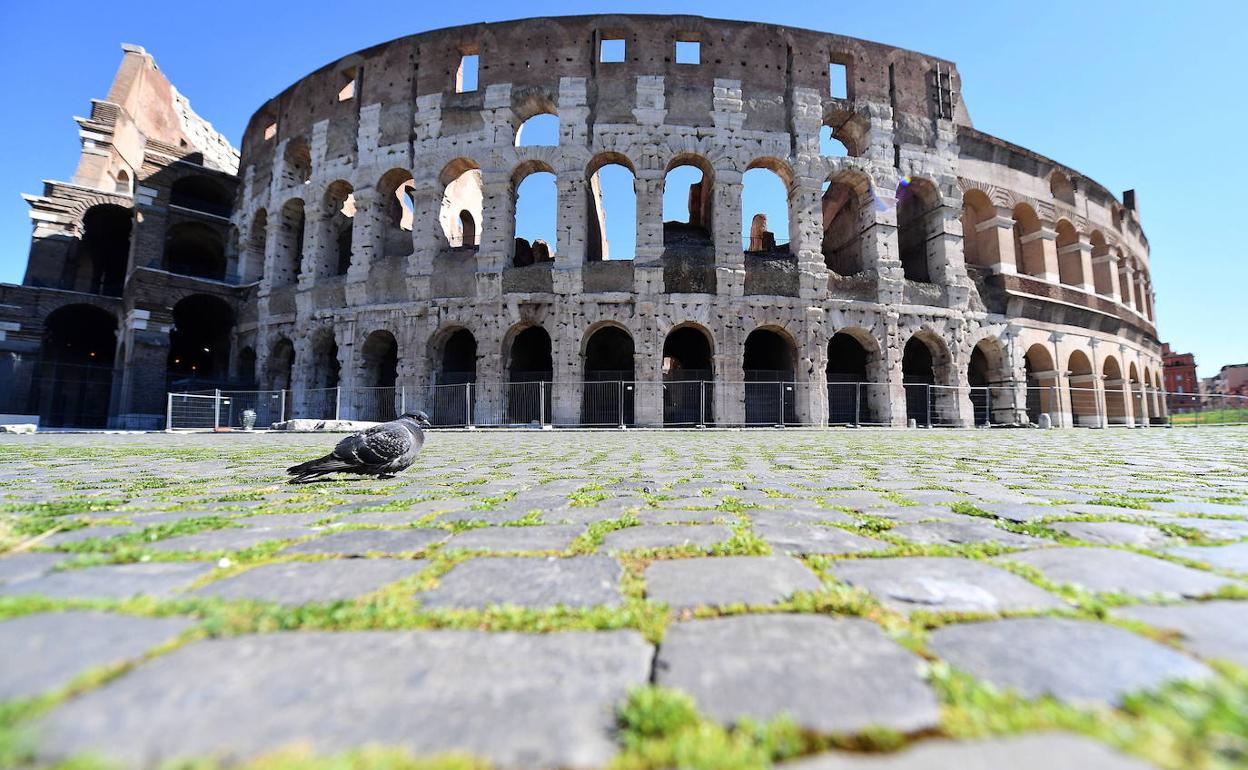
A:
x,y
312,469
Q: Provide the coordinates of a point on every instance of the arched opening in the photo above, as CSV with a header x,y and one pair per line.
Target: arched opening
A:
x,y
326,371
1041,384
991,391
918,204
201,193
457,363
455,375
103,252
537,199
122,184
687,204
462,194
397,212
252,267
1069,257
851,362
1083,399
337,224
297,168
75,374
541,130
1102,265
978,243
281,364
612,213
688,377
925,375
609,378
770,364
1028,241
379,376
1115,393
193,248
288,255
530,369
199,343
830,146
765,205
845,217
1061,188
247,368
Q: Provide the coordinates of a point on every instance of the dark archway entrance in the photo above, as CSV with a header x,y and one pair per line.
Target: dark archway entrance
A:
x,y
530,369
688,378
608,396
770,388
918,376
199,345
848,402
103,251
379,375
452,399
75,375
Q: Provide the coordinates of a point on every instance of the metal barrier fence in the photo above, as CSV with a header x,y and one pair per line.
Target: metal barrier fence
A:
x,y
1207,409
694,403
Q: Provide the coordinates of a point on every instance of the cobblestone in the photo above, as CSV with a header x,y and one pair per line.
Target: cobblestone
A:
x,y
822,575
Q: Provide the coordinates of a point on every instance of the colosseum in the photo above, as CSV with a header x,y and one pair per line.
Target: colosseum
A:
x,y
361,252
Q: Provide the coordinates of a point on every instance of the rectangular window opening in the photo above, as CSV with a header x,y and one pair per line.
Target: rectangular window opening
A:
x,y
838,83
688,52
466,75
347,92
611,50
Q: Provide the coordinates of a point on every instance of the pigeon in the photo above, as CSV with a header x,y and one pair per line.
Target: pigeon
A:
x,y
382,451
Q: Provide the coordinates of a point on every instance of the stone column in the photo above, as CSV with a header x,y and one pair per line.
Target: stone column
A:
x,y
1047,237
491,376
365,227
812,370
1128,287
729,388
944,256
1107,265
648,373
568,382
726,219
142,397
1063,406
1000,246
880,249
350,397
806,238
891,350
498,233
648,264
426,199
1081,252
570,232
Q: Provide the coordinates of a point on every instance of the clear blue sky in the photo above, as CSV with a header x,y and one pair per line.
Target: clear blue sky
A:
x,y
1143,95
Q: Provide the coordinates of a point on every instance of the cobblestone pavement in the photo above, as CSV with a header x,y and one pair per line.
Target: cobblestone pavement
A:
x,y
838,599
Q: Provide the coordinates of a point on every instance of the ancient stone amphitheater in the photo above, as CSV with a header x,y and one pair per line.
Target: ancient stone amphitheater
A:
x,y
367,246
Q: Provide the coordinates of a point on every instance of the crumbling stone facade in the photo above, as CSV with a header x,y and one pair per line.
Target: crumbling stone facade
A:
x,y
376,240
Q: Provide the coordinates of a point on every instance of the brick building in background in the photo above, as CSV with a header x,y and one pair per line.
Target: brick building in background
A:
x,y
1179,370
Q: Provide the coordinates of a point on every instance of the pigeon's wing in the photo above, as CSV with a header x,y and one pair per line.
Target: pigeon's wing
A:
x,y
378,445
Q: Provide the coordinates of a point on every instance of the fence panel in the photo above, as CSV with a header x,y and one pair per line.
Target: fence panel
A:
x,y
687,403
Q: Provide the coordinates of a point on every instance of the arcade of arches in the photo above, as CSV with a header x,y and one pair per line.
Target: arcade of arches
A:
x,y
695,377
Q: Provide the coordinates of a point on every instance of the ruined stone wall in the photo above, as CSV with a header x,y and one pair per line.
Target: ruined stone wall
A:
x,y
757,98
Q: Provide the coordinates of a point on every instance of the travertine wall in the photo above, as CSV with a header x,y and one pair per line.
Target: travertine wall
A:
x,y
758,98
